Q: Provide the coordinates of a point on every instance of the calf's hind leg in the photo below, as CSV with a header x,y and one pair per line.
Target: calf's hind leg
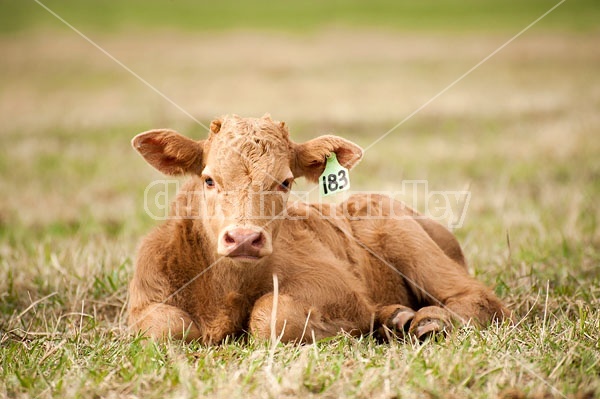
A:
x,y
446,292
444,289
444,239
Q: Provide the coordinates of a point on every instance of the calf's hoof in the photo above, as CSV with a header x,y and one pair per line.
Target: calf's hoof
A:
x,y
428,328
430,321
401,320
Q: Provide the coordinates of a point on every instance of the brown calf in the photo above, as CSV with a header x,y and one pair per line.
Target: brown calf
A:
x,y
206,273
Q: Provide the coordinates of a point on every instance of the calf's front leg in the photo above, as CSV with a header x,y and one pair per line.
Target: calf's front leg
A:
x,y
296,321
158,320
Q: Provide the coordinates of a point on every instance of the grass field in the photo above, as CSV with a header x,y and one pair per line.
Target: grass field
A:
x,y
300,16
521,132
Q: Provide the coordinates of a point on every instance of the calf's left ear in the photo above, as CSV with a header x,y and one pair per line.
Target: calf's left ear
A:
x,y
170,152
309,159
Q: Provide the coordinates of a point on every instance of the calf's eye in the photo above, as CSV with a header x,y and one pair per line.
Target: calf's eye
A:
x,y
209,182
285,185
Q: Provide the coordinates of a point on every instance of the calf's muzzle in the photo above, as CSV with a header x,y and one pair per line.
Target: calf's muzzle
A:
x,y
245,242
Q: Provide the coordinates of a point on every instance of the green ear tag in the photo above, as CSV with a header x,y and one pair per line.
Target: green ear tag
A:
x,y
335,177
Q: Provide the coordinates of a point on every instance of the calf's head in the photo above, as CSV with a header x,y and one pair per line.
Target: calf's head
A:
x,y
244,172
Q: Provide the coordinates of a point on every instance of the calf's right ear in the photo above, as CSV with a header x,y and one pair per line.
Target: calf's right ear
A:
x,y
170,152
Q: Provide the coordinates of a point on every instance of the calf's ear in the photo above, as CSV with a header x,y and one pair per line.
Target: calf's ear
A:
x,y
170,152
309,159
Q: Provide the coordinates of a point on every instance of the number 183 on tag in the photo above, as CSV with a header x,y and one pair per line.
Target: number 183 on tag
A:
x,y
335,177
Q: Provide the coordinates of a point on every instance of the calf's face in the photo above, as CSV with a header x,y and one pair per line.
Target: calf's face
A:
x,y
245,169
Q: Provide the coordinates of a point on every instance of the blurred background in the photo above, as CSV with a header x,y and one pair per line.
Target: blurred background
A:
x,y
518,131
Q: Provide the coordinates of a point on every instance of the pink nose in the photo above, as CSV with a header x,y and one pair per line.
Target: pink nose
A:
x,y
243,242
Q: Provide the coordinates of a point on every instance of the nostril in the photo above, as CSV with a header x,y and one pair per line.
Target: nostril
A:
x,y
259,241
228,239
